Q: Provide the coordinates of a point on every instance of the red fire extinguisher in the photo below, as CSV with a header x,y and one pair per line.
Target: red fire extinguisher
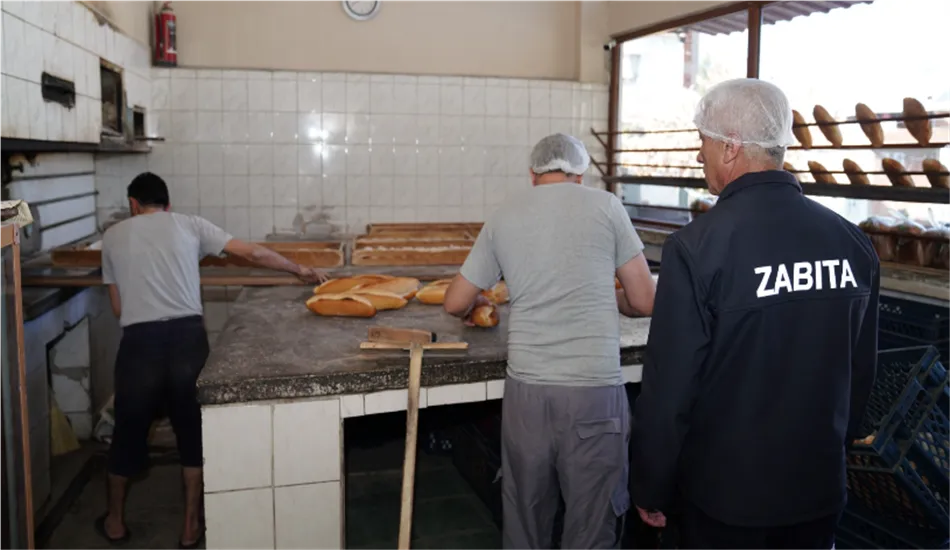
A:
x,y
165,53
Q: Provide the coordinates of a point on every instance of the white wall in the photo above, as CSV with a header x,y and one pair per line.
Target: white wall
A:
x,y
260,152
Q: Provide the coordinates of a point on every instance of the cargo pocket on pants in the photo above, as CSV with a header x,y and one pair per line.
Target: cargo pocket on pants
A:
x,y
608,428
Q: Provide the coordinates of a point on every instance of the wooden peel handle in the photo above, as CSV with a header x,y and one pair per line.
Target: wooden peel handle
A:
x,y
412,432
408,346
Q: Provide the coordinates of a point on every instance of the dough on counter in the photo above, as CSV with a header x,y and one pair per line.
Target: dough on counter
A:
x,y
820,173
854,173
920,129
498,294
870,124
381,299
936,173
433,293
802,133
341,305
485,316
896,173
403,286
336,286
831,131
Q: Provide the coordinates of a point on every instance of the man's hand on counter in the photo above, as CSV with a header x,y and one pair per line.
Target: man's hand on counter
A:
x,y
311,275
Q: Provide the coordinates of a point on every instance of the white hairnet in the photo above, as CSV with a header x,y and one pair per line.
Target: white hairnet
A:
x,y
746,111
560,153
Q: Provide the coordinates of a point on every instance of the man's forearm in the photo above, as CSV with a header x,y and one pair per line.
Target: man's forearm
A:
x,y
266,257
623,305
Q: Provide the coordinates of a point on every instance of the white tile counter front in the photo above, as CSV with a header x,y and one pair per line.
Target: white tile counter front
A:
x,y
274,470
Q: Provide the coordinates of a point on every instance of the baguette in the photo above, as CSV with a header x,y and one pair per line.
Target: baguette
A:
x,y
341,305
854,172
820,173
433,294
402,286
791,170
920,129
617,284
336,286
485,316
381,299
497,294
895,173
869,124
802,133
831,131
936,173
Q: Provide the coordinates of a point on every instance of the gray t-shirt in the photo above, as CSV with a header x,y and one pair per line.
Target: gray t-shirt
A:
x,y
153,260
558,247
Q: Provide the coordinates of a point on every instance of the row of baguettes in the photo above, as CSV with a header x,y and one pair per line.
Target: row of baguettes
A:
x,y
920,244
937,174
918,126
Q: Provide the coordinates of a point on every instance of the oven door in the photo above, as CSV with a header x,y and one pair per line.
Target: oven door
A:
x,y
17,494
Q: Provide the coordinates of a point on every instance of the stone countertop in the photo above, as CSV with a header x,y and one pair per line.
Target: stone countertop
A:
x,y
274,348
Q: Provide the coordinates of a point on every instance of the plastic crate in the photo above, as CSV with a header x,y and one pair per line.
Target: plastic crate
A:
x,y
913,493
923,322
905,378
862,528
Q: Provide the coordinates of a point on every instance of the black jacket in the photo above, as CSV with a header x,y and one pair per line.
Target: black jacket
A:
x,y
760,361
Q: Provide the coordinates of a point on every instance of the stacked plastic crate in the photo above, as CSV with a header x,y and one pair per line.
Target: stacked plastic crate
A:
x,y
906,323
899,476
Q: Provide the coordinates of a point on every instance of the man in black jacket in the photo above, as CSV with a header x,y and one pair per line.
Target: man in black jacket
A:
x,y
762,348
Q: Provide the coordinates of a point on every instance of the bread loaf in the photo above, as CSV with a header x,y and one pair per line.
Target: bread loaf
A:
x,y
937,252
802,133
341,305
820,173
498,294
920,129
485,316
869,124
336,286
885,245
402,286
910,249
854,172
433,293
831,131
936,173
617,284
381,299
896,173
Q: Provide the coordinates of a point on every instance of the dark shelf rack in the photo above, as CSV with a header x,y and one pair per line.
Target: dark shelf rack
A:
x,y
864,192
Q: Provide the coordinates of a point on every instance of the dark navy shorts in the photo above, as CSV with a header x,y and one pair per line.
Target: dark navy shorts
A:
x,y
156,370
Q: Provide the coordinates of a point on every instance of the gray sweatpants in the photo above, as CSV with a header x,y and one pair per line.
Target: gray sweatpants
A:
x,y
570,442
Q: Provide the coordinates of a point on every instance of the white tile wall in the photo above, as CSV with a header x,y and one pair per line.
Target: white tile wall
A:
x,y
240,519
309,516
361,148
237,447
455,393
307,439
63,39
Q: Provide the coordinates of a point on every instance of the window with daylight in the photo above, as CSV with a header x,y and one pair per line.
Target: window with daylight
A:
x,y
663,77
875,53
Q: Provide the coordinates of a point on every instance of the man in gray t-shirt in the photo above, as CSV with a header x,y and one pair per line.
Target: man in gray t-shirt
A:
x,y
150,264
565,416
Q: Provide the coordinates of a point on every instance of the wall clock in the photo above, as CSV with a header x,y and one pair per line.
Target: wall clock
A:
x,y
361,10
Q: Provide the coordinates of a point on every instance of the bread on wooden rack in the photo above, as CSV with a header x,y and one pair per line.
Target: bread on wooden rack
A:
x,y
827,125
341,305
936,173
920,129
870,124
434,292
820,173
787,166
381,299
802,133
335,286
854,173
485,316
896,173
